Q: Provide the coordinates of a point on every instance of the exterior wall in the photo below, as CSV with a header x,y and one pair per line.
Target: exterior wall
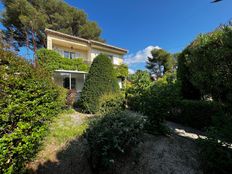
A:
x,y
79,53
83,49
116,58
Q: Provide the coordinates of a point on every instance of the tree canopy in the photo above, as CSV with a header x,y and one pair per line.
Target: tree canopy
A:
x,y
160,62
208,63
26,20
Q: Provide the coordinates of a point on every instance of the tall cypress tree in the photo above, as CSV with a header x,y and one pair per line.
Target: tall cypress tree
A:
x,y
100,80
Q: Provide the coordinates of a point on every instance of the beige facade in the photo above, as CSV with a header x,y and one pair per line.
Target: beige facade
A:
x,y
75,47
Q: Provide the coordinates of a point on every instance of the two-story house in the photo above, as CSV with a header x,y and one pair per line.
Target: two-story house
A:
x,y
72,47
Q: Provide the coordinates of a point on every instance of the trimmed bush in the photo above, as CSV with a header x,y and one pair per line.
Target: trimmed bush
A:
x,y
112,136
209,63
111,103
197,114
100,80
51,60
28,100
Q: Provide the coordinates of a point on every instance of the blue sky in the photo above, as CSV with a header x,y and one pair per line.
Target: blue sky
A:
x,y
140,25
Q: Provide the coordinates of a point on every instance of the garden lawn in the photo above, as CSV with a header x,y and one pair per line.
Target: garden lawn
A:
x,y
65,128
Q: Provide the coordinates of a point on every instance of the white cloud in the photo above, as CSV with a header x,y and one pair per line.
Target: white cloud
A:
x,y
140,56
131,71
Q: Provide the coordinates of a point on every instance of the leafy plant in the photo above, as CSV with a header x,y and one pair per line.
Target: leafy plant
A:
x,y
100,80
209,64
214,157
197,114
27,19
156,100
51,60
160,58
28,100
111,136
121,70
111,103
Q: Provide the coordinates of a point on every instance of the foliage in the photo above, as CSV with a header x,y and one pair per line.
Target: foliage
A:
x,y
216,152
100,80
188,90
26,20
111,136
160,58
222,125
51,60
156,101
197,114
209,62
122,70
140,82
111,103
215,158
28,100
159,101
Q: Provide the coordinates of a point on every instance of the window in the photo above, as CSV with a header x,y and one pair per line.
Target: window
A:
x,y
70,55
66,83
110,56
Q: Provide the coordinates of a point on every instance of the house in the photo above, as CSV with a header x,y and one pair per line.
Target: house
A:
x,y
72,47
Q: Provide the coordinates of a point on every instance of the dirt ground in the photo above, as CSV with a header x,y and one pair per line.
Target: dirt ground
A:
x,y
174,154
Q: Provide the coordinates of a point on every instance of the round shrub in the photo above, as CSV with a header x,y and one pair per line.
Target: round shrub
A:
x,y
100,80
110,103
113,135
28,100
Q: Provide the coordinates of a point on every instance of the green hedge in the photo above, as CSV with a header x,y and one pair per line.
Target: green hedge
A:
x,y
28,100
197,114
208,64
111,136
51,60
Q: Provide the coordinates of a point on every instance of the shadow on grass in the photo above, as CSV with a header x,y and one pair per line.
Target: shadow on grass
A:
x,y
71,160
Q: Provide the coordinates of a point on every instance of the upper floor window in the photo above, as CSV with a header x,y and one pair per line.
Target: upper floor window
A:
x,y
70,55
110,56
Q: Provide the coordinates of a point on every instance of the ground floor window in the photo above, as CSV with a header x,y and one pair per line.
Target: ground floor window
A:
x,y
66,83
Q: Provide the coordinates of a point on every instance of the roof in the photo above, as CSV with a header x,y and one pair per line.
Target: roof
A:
x,y
91,42
71,71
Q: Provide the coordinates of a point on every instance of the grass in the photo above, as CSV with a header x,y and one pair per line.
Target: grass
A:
x,y
66,127
63,129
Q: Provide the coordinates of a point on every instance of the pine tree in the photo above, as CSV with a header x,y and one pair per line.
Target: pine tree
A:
x,y
160,62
